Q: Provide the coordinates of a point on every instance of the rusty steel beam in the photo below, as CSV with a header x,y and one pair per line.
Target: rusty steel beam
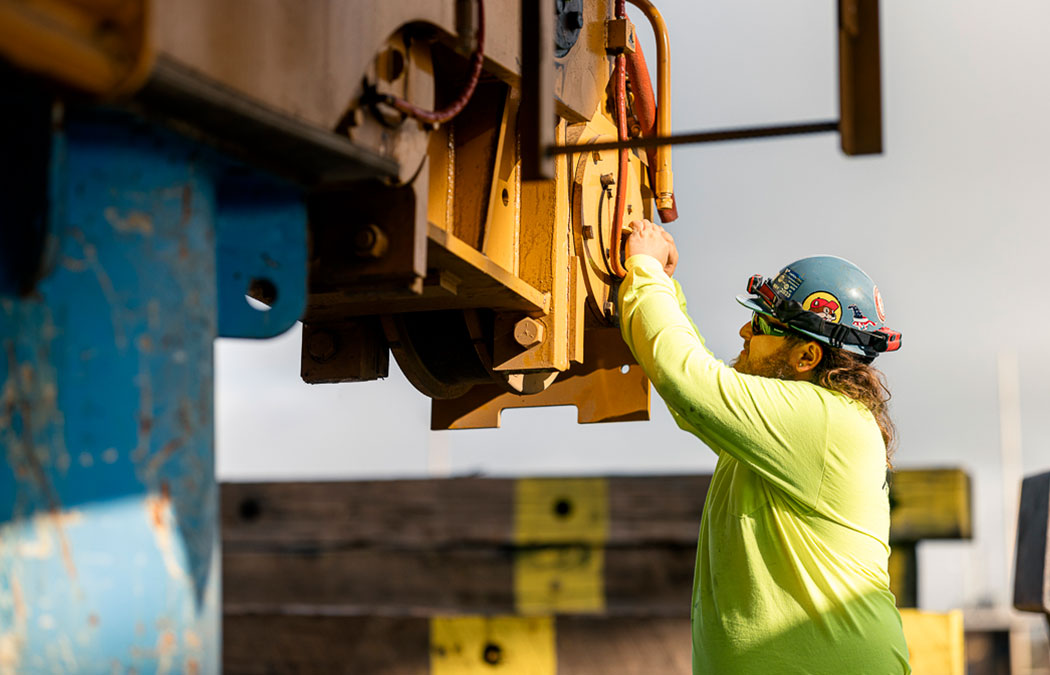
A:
x,y
860,77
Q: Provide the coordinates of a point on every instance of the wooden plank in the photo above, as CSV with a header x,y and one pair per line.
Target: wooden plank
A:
x,y
624,646
398,513
930,504
584,645
442,512
435,513
653,581
324,645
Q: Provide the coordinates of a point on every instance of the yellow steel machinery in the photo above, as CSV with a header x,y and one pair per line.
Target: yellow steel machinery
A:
x,y
491,290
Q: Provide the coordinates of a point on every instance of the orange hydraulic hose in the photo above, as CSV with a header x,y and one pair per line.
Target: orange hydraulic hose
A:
x,y
664,176
645,111
620,84
453,109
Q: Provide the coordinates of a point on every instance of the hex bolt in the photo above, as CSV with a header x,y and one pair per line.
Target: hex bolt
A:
x,y
370,242
321,346
528,332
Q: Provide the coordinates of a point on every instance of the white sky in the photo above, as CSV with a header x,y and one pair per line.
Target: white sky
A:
x,y
951,221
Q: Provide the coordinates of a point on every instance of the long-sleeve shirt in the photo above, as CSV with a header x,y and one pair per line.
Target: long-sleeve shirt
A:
x,y
791,567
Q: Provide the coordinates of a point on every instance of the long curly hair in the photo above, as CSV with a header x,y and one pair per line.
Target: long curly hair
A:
x,y
848,374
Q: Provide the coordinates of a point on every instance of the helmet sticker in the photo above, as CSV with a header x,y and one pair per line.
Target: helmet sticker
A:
x,y
823,304
860,321
786,283
878,305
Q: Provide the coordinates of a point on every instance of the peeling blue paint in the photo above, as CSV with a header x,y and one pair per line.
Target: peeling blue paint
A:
x,y
108,500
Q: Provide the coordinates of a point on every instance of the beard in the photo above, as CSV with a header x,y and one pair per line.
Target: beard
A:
x,y
775,365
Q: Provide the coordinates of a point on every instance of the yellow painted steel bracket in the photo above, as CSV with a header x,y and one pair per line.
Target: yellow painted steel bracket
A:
x,y
101,47
664,187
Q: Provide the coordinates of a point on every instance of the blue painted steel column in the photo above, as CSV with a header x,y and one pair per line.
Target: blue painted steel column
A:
x,y
109,547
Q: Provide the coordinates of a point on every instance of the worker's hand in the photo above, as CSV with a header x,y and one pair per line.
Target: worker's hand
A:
x,y
672,253
649,239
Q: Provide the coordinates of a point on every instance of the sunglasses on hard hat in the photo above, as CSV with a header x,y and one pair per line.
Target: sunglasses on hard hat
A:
x,y
760,325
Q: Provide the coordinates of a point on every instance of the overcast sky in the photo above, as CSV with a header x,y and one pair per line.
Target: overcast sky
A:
x,y
951,222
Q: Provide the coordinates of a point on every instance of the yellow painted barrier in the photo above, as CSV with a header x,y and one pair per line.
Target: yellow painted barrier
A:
x,y
561,526
935,642
477,645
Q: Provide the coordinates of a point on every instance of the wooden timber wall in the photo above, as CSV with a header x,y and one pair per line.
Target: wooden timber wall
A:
x,y
359,576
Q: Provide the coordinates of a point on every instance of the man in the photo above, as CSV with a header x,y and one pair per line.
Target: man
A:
x,y
791,570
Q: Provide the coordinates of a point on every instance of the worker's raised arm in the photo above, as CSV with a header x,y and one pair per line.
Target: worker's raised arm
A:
x,y
778,428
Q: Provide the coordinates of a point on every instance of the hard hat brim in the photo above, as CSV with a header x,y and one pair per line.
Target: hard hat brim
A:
x,y
755,305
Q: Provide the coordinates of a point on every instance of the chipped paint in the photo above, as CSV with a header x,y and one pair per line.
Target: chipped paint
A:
x,y
166,646
135,222
108,498
46,526
161,519
13,641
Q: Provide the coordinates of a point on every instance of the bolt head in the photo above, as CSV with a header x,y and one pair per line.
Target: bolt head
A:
x,y
528,332
370,241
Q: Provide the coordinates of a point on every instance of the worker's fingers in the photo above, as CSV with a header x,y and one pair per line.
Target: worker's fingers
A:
x,y
639,226
647,238
672,257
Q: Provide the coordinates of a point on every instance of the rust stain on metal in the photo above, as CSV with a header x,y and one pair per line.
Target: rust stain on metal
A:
x,y
145,414
166,646
192,640
163,455
67,550
135,222
157,506
13,641
35,397
160,516
105,284
187,204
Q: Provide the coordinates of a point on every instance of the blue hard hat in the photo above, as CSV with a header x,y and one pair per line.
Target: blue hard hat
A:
x,y
828,299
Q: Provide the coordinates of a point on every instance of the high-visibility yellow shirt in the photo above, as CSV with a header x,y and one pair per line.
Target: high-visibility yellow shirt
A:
x,y
791,567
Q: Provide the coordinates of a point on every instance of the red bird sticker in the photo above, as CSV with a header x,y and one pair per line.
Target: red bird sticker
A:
x,y
825,305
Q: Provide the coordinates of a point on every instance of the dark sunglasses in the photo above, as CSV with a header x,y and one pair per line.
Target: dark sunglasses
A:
x,y
761,326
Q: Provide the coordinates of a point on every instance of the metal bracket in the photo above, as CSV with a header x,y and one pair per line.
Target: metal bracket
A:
x,y
261,231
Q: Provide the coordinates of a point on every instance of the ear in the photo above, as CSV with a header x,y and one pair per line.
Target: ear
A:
x,y
806,357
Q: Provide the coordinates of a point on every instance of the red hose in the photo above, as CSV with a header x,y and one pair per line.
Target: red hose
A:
x,y
645,111
620,76
453,109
